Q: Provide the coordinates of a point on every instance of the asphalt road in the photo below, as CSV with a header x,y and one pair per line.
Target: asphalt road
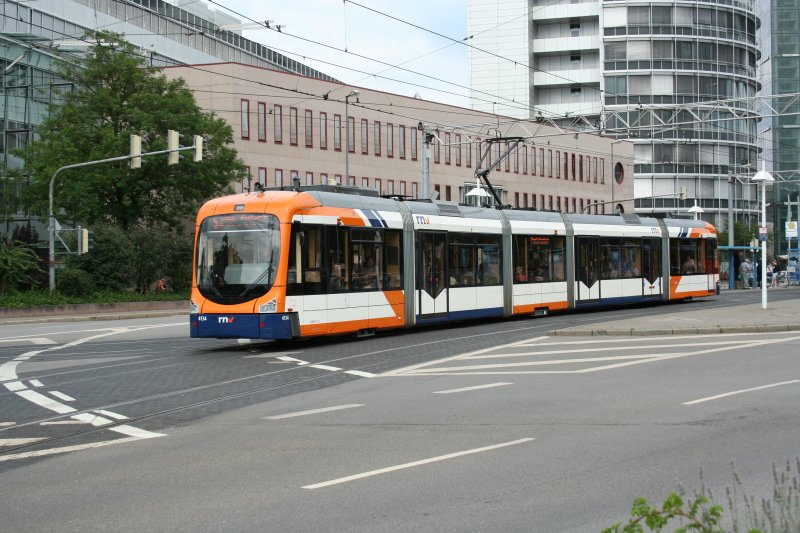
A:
x,y
130,425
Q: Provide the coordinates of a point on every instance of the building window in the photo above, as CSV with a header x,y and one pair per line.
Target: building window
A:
x,y
580,168
277,112
566,166
414,189
574,28
389,186
262,176
402,188
365,183
245,119
246,180
603,175
524,159
541,162
309,125
309,178
401,141
558,164
337,132
364,136
278,178
323,131
447,193
533,200
469,154
378,185
458,150
516,159
262,122
294,176
516,199
446,148
533,161
293,126
351,134
549,163
351,180
323,179
389,140
376,137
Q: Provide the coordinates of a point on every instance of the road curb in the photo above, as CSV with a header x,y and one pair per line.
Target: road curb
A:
x,y
88,318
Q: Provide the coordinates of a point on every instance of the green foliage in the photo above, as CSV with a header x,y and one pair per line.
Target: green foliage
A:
x,y
17,263
111,263
742,234
36,298
777,514
74,282
117,94
135,260
692,514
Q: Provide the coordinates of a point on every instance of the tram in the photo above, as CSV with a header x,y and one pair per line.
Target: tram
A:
x,y
324,260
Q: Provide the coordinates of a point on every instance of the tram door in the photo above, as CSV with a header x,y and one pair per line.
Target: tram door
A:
x,y
588,269
431,279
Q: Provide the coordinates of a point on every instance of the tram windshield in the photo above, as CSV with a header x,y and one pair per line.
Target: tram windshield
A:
x,y
237,256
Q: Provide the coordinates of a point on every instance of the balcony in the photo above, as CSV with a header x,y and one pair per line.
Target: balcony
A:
x,y
571,10
560,77
566,44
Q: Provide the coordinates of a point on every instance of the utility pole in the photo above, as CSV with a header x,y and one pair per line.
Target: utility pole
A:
x,y
731,223
427,137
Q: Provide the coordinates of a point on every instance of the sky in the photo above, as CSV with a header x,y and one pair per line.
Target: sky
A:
x,y
375,43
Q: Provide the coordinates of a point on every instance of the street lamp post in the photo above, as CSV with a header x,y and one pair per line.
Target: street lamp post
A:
x,y
764,178
347,135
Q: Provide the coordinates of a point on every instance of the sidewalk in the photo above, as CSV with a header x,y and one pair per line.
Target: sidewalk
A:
x,y
700,319
85,312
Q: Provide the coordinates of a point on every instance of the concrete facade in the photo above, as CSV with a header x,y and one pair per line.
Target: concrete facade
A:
x,y
287,125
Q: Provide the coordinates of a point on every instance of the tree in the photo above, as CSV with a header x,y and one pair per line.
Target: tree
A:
x,y
17,262
117,94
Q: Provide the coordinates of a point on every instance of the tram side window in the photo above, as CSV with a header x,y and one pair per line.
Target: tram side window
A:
x,y
610,264
338,252
538,259
366,259
306,274
393,279
687,257
631,265
462,260
712,266
490,271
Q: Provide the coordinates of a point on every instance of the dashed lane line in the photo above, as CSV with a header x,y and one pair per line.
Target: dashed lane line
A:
x,y
476,387
414,463
313,411
19,441
62,396
64,449
732,393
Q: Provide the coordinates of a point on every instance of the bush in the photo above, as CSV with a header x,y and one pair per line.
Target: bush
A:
x,y
18,262
75,282
111,261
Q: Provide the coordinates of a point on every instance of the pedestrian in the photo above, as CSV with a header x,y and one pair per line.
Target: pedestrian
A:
x,y
776,269
745,272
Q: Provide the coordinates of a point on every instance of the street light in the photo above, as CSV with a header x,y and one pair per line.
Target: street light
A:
x,y
355,93
765,178
696,210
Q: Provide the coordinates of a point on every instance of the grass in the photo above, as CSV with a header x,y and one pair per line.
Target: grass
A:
x,y
36,298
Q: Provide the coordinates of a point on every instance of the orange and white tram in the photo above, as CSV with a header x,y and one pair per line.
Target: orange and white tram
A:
x,y
279,264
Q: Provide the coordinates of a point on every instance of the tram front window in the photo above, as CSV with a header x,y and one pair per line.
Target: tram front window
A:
x,y
237,257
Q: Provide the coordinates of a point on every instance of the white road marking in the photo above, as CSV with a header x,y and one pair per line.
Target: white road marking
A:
x,y
604,349
291,360
65,449
48,403
62,396
7,424
477,387
61,422
326,367
244,341
124,429
413,464
701,400
15,386
409,369
18,442
313,411
36,383
360,373
33,340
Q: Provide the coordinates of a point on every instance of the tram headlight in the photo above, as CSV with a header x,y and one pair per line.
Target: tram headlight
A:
x,y
193,308
269,307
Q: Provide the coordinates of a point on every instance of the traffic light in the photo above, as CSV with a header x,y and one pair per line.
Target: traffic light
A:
x,y
83,240
683,193
173,144
198,148
136,152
